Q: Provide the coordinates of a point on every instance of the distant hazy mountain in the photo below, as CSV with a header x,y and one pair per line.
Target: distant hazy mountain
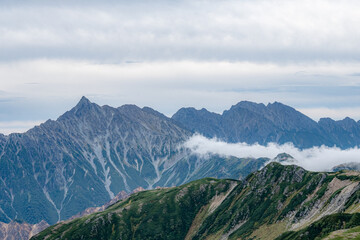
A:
x,y
263,206
91,153
251,122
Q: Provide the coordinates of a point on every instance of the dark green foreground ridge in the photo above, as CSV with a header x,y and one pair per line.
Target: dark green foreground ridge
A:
x,y
278,200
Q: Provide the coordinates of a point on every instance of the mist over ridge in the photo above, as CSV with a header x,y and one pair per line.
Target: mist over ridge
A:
x,y
321,158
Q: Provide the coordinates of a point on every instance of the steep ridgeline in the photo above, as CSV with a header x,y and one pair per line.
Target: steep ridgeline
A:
x,y
91,153
251,122
263,206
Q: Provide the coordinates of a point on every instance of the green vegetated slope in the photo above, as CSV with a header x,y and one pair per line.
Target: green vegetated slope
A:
x,y
327,228
346,234
156,214
263,206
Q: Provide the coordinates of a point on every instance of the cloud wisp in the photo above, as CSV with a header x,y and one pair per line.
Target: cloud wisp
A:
x,y
313,159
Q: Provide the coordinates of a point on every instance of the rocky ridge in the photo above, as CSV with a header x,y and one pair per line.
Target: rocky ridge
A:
x,y
258,123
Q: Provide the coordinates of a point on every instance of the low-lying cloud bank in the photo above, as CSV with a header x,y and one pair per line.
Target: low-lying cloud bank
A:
x,y
313,159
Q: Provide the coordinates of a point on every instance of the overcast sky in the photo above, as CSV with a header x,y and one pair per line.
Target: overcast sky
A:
x,y
170,54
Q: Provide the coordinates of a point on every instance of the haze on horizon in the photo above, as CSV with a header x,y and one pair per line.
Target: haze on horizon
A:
x,y
173,54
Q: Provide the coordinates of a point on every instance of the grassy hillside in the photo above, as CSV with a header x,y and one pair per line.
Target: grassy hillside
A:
x,y
266,204
327,228
157,214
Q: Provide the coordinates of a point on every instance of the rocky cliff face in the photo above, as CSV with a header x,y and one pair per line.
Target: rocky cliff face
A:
x,y
20,231
263,206
250,122
91,153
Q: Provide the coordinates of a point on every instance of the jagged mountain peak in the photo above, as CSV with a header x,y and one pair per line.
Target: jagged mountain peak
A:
x,y
86,106
83,103
81,110
84,100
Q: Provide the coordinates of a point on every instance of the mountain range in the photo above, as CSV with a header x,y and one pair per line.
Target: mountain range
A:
x,y
91,153
258,123
278,202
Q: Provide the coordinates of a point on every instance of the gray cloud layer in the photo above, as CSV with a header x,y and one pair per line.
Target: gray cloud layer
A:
x,y
256,30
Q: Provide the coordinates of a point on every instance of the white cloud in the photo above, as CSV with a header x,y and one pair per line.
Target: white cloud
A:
x,y
314,159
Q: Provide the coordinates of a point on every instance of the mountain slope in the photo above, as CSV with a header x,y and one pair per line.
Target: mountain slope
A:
x,y
328,228
280,198
155,214
90,153
263,206
251,122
